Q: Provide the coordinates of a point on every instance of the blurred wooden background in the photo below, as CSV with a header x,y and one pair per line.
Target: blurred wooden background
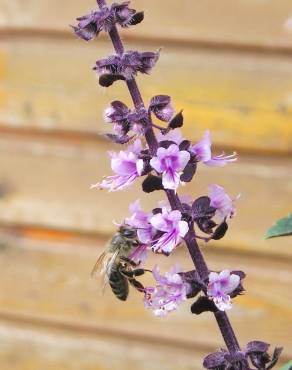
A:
x,y
228,64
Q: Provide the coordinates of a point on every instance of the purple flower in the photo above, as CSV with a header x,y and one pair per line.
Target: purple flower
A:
x,y
221,201
117,113
125,16
109,65
139,254
128,64
90,25
172,227
124,120
169,292
202,151
170,163
141,221
220,286
161,107
138,120
126,165
134,61
224,360
173,135
257,352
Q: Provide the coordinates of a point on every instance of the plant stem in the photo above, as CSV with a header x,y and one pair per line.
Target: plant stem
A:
x,y
190,239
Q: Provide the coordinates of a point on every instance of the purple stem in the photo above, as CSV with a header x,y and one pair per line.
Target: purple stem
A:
x,y
190,239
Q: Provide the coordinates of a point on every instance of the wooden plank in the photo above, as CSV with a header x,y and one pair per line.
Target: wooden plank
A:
x,y
249,22
29,348
54,289
48,185
244,99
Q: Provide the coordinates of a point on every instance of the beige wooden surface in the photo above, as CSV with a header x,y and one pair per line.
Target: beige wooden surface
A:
x,y
245,99
236,22
25,348
228,64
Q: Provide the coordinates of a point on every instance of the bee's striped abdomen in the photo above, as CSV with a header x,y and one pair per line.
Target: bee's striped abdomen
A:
x,y
119,284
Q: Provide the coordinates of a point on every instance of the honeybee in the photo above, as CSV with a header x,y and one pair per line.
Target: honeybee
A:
x,y
115,265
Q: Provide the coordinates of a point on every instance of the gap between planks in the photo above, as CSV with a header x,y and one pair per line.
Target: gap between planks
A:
x,y
256,48
45,238
91,139
98,331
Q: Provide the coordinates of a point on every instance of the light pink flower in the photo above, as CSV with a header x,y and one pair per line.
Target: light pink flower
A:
x,y
203,153
173,228
221,201
169,292
139,254
220,286
170,163
126,165
140,220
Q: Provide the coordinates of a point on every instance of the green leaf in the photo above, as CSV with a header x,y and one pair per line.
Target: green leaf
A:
x,y
282,227
287,366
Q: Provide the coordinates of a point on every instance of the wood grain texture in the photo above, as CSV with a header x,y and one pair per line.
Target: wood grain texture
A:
x,y
48,185
25,347
57,292
235,79
249,22
245,99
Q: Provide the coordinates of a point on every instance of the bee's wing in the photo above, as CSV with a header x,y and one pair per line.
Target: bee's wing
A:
x,y
107,268
105,264
109,265
98,264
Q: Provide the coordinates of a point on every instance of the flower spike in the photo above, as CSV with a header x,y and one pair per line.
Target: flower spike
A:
x,y
166,159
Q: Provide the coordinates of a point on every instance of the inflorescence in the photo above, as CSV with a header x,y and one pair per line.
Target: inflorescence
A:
x,y
166,160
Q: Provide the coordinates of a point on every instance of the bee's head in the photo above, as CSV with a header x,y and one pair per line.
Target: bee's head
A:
x,y
127,232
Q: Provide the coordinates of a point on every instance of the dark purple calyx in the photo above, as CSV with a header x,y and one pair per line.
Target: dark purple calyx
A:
x,y
177,121
255,356
194,281
240,289
152,183
189,172
119,139
107,79
161,107
223,360
203,304
220,231
202,214
257,353
125,120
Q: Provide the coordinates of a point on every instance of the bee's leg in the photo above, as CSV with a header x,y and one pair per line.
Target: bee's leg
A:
x,y
130,262
132,273
137,285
